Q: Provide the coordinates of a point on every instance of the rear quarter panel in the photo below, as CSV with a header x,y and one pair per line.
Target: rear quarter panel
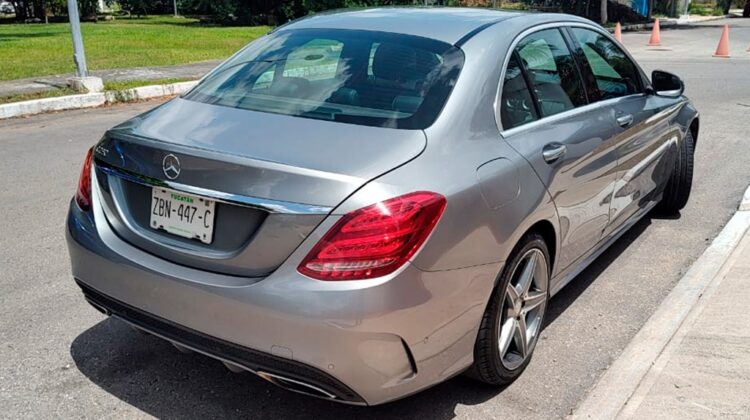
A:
x,y
480,225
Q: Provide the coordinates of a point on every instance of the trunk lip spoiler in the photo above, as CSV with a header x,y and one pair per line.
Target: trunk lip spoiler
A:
x,y
265,204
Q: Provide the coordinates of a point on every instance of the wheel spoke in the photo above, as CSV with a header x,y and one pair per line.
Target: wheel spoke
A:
x,y
506,335
520,336
513,296
523,308
534,300
527,275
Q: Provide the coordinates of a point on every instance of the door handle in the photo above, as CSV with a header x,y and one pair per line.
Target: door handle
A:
x,y
553,151
625,120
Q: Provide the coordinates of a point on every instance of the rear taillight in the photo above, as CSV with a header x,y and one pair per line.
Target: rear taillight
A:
x,y
376,240
83,194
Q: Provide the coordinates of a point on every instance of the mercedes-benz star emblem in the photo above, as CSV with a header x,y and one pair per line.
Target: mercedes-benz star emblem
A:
x,y
171,166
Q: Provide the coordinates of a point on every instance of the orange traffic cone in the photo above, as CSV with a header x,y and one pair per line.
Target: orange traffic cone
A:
x,y
618,32
722,51
655,40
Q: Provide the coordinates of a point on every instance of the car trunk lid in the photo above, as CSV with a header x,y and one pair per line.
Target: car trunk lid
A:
x,y
274,177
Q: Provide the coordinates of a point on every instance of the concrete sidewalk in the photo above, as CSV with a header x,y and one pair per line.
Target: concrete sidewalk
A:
x,y
691,360
705,372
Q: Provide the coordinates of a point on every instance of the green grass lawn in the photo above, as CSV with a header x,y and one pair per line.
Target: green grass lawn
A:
x,y
29,50
129,84
37,95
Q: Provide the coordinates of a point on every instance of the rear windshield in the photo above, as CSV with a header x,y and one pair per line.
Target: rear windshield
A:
x,y
359,77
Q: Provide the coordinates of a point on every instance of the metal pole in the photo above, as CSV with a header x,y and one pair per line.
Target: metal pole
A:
x,y
75,29
174,3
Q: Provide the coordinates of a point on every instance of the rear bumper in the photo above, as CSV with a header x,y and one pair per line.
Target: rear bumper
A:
x,y
319,383
363,342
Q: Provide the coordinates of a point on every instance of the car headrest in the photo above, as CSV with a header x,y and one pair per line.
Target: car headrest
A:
x,y
290,86
345,96
408,104
400,62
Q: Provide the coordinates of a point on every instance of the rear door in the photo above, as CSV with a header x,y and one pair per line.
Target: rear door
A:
x,y
546,117
644,142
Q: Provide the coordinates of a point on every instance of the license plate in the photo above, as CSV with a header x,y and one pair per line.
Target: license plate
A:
x,y
182,214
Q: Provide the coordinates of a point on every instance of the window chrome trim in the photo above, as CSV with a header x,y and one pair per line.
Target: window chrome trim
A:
x,y
566,114
265,204
571,112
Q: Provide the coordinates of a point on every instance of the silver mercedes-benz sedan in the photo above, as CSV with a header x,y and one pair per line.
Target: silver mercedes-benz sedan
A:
x,y
362,204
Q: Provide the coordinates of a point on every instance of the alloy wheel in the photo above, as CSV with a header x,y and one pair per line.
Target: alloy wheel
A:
x,y
523,309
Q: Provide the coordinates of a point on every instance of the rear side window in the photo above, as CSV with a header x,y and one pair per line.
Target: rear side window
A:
x,y
615,74
360,77
552,72
517,107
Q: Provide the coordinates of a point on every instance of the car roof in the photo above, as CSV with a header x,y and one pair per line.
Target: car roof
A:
x,y
447,24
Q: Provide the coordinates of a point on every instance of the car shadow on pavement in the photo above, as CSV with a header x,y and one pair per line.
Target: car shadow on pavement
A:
x,y
565,297
153,376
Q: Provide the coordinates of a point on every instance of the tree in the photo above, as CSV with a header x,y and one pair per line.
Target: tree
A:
x,y
603,12
88,9
135,7
725,5
145,7
36,10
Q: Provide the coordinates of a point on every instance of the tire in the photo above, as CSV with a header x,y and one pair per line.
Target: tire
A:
x,y
677,191
492,364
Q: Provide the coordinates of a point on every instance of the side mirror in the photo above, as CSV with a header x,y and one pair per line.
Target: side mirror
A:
x,y
666,84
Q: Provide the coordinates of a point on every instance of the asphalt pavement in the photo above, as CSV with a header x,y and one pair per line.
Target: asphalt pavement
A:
x,y
60,358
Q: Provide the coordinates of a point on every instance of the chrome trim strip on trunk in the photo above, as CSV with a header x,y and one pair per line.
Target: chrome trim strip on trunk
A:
x,y
266,204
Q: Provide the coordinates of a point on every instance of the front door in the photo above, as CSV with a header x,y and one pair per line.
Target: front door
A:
x,y
645,142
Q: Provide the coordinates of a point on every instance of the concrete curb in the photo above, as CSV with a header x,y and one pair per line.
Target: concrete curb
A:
x,y
147,92
37,106
745,205
91,100
620,382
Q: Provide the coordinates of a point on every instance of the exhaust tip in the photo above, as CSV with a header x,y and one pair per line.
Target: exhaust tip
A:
x,y
296,386
98,307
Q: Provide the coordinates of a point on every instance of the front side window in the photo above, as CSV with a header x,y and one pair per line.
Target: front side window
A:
x,y
552,72
615,74
360,77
